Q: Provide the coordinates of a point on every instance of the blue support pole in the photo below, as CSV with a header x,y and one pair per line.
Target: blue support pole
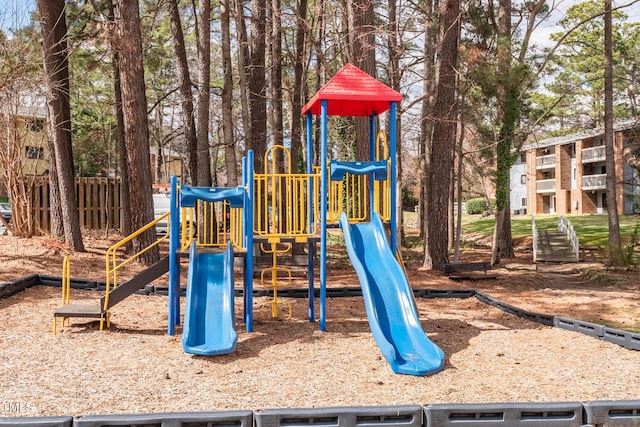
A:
x,y
174,262
392,154
311,248
323,215
248,260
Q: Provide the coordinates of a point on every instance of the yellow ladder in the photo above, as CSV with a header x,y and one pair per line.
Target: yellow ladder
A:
x,y
274,281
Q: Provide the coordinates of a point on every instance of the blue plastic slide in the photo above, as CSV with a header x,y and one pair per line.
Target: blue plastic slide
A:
x,y
209,318
388,298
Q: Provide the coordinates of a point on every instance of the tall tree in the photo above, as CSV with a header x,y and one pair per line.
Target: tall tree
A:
x,y
128,41
227,95
362,53
257,83
444,136
54,44
186,96
204,93
297,96
615,245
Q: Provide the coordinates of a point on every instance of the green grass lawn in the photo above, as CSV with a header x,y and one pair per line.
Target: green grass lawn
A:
x,y
592,230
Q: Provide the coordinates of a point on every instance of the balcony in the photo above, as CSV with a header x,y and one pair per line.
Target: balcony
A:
x,y
593,154
546,186
594,182
546,162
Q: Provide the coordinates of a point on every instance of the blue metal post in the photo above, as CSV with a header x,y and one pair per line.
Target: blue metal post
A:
x,y
174,262
392,154
248,260
323,216
312,221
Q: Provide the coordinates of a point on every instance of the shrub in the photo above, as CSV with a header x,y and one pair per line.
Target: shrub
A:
x,y
476,206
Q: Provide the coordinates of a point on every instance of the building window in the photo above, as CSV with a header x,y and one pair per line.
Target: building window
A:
x,y
523,179
34,125
34,152
523,202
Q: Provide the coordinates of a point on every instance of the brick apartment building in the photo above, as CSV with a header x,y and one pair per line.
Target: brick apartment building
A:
x,y
567,174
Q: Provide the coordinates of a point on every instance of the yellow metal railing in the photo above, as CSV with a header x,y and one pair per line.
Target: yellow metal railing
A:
x,y
283,199
215,222
382,189
66,291
112,265
352,196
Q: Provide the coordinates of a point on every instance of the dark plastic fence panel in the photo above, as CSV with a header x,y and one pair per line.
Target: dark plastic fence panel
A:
x,y
550,414
612,413
387,416
36,421
173,419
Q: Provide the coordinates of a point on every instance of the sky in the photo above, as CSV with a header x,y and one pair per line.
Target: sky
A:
x,y
15,13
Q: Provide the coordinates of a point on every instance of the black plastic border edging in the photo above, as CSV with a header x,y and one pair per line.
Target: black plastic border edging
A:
x,y
530,414
626,339
36,421
529,315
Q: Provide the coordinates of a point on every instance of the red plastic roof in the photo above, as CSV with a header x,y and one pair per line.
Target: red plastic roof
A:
x,y
352,92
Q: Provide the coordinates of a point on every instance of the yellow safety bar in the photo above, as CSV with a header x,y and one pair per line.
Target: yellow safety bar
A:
x,y
111,263
66,290
382,189
283,199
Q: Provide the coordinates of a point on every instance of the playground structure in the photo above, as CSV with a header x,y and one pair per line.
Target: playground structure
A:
x,y
275,209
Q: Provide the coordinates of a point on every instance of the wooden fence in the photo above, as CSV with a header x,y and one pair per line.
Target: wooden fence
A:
x,y
99,203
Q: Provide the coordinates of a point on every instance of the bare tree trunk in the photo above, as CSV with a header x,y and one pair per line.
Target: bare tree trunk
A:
x,y
227,97
615,245
395,76
204,93
362,44
508,114
134,107
297,97
426,123
184,81
55,208
460,156
257,84
275,74
54,32
444,136
244,60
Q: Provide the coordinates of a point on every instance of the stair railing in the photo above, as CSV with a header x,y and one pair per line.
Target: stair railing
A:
x,y
112,265
534,233
564,225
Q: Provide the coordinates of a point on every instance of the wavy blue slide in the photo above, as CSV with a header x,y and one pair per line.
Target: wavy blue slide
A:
x,y
209,318
388,298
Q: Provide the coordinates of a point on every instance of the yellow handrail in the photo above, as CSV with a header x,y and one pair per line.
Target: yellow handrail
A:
x,y
66,290
111,256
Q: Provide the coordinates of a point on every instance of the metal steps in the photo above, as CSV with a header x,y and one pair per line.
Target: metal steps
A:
x,y
117,294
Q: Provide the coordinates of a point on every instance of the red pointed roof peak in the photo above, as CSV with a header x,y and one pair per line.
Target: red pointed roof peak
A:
x,y
352,92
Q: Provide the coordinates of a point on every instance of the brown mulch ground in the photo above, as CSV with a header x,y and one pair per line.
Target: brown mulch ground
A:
x,y
491,356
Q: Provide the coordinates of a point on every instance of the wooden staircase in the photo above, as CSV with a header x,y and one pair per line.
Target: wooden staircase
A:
x,y
554,246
